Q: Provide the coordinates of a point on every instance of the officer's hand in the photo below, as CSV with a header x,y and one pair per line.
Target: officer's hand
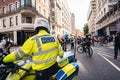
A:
x,y
10,65
1,58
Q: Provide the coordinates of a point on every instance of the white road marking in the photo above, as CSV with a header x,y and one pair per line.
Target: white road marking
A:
x,y
108,55
104,51
116,67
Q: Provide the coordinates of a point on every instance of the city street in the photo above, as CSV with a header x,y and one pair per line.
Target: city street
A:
x,y
39,23
101,66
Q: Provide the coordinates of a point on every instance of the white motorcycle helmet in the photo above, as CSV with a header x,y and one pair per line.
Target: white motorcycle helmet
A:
x,y
41,23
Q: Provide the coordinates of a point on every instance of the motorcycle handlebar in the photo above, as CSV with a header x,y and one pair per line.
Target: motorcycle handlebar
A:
x,y
19,67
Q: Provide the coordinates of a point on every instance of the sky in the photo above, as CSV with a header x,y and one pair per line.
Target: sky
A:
x,y
80,9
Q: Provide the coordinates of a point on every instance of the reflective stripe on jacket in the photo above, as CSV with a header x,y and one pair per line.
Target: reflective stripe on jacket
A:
x,y
44,49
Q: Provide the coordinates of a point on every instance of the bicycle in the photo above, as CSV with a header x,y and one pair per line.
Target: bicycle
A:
x,y
88,50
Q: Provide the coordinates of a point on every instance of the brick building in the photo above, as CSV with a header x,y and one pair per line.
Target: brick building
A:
x,y
17,17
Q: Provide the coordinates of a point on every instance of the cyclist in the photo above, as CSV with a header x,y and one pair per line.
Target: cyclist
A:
x,y
86,42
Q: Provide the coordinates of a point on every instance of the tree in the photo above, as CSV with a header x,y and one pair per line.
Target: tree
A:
x,y
85,29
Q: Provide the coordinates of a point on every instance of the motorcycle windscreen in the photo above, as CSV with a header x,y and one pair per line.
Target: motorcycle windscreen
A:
x,y
68,57
65,61
69,72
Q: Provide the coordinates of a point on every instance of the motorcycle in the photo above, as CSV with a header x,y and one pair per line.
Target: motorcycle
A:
x,y
23,71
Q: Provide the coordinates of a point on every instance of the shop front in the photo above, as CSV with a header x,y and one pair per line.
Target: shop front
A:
x,y
23,35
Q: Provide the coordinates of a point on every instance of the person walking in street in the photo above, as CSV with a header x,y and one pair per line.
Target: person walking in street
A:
x,y
92,41
66,42
62,41
72,41
116,45
2,44
7,45
44,49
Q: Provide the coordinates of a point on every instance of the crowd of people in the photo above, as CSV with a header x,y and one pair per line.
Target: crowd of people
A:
x,y
101,40
72,41
88,40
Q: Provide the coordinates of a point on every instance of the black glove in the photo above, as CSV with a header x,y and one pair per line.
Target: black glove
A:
x,y
1,59
10,65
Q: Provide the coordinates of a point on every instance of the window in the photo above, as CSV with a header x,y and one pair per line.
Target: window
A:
x,y
39,9
28,19
16,20
11,24
22,3
43,2
28,3
10,7
33,3
4,23
3,0
16,4
3,10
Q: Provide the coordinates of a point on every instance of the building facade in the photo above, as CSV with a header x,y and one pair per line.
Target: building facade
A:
x,y
107,16
73,25
79,33
56,16
66,19
17,17
92,16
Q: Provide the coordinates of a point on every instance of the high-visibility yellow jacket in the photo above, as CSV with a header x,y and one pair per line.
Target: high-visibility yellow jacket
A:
x,y
44,49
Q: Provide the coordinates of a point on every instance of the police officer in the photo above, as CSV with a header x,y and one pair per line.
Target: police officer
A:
x,y
44,49
116,45
7,45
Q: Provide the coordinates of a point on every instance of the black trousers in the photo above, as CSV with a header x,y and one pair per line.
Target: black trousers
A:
x,y
1,51
85,44
45,74
116,48
64,46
